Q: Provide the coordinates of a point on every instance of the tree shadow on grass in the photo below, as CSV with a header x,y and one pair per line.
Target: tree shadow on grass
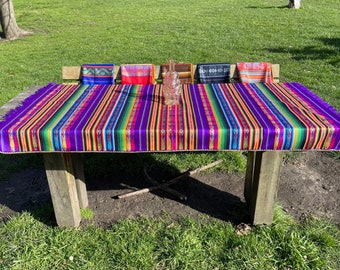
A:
x,y
330,53
267,7
334,42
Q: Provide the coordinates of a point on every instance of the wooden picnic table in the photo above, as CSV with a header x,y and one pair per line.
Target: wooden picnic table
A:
x,y
265,119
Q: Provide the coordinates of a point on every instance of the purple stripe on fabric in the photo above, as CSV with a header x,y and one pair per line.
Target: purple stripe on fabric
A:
x,y
202,126
286,138
26,105
321,107
100,91
30,102
58,132
121,95
268,131
280,125
144,122
139,130
86,107
224,106
231,114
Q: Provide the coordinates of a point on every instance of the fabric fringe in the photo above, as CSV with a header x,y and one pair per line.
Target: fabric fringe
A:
x,y
28,101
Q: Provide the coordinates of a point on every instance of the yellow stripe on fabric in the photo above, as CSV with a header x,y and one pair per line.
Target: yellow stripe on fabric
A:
x,y
47,131
271,125
39,119
188,119
95,136
28,127
123,131
155,115
210,114
281,93
316,128
222,125
246,118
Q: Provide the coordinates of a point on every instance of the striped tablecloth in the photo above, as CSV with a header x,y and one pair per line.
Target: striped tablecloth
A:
x,y
133,118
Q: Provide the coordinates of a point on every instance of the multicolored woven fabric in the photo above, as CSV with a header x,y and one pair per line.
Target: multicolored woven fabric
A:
x,y
213,72
138,74
133,118
253,72
97,73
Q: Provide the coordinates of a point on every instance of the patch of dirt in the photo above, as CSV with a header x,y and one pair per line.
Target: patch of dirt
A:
x,y
309,185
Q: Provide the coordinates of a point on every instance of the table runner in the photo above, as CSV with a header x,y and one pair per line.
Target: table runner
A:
x,y
133,118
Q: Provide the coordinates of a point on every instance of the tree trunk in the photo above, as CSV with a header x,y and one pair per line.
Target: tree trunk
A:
x,y
294,4
8,22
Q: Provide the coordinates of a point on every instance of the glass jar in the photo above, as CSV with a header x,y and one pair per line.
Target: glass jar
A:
x,y
171,86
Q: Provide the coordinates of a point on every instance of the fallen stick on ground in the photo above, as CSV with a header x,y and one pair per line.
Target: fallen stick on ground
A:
x,y
165,188
168,183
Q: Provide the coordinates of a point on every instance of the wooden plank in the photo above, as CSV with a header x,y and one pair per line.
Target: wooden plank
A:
x,y
71,73
16,101
158,74
78,169
264,186
59,172
276,72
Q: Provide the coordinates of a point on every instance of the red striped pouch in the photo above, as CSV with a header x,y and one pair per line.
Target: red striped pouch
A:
x,y
138,74
252,72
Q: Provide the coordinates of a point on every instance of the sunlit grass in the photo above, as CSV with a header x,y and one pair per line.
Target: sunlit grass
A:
x,y
162,243
304,42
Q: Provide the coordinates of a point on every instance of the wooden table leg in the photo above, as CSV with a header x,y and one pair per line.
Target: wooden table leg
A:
x,y
261,184
62,184
78,169
249,176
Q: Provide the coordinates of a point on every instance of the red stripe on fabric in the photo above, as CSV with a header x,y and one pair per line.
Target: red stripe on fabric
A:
x,y
32,123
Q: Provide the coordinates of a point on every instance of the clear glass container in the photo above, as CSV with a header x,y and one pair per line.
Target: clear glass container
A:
x,y
171,86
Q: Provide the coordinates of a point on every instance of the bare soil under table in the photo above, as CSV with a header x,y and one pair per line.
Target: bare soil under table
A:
x,y
309,185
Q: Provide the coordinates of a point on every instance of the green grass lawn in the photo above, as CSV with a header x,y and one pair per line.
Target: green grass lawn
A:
x,y
162,243
306,44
